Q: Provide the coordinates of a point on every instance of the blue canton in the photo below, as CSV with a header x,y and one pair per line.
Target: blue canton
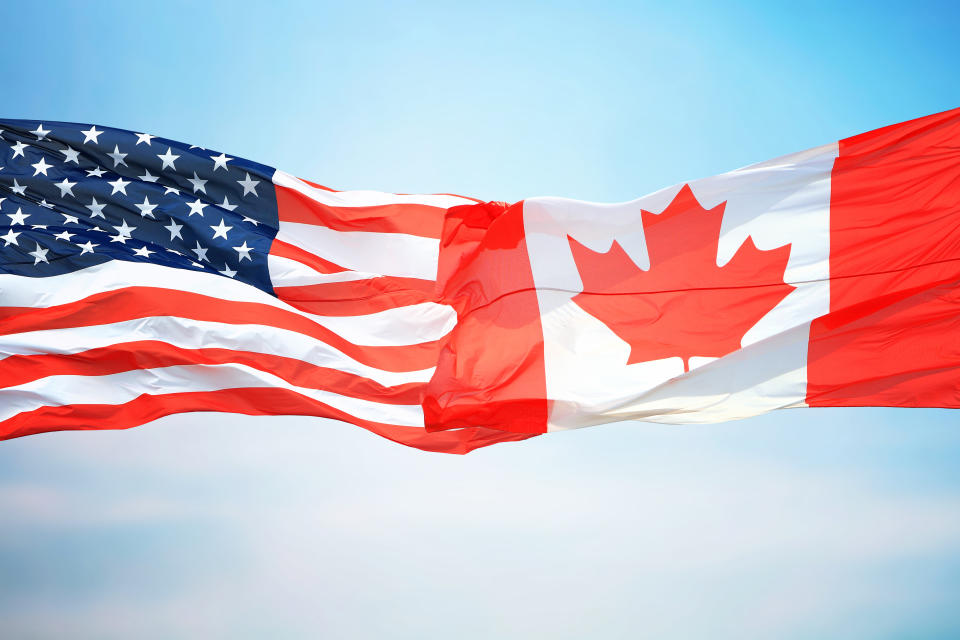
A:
x,y
74,195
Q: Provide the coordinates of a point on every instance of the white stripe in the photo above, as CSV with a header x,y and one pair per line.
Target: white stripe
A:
x,y
365,198
286,272
23,291
413,324
388,254
123,387
196,334
403,327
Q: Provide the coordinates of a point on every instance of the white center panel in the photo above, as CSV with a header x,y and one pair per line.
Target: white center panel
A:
x,y
778,202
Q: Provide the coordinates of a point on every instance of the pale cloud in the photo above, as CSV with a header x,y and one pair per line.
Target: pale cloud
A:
x,y
30,505
305,528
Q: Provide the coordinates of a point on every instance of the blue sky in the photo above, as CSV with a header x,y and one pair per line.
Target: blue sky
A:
x,y
800,524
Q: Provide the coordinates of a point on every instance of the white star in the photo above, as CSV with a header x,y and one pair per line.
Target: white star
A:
x,y
243,251
119,185
198,184
96,208
220,161
249,185
64,235
96,172
227,271
168,159
226,204
172,190
19,217
118,158
251,220
40,132
174,229
201,252
40,167
69,219
143,251
71,155
148,177
91,135
1,200
220,231
40,254
38,226
87,247
144,137
122,239
18,149
18,189
10,238
124,229
65,187
146,209
45,204
196,207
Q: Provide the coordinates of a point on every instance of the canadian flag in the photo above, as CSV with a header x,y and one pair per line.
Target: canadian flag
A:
x,y
829,277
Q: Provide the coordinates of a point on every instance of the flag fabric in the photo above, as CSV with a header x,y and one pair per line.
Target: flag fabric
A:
x,y
829,277
141,277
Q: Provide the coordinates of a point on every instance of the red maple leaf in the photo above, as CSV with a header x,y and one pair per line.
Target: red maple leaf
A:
x,y
684,305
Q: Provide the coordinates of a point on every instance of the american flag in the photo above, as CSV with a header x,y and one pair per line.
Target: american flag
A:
x,y
141,277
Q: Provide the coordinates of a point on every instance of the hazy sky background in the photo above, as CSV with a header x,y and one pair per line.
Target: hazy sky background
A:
x,y
801,524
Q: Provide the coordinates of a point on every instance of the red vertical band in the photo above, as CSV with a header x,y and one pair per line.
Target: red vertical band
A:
x,y
892,337
491,368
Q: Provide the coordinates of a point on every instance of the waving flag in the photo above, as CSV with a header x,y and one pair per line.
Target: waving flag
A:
x,y
829,277
141,277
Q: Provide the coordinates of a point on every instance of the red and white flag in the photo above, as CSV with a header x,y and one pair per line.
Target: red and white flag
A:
x,y
829,277
141,277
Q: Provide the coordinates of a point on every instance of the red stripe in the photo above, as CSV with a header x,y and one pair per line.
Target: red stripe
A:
x,y
283,249
892,337
491,370
250,401
413,219
142,302
358,297
150,354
